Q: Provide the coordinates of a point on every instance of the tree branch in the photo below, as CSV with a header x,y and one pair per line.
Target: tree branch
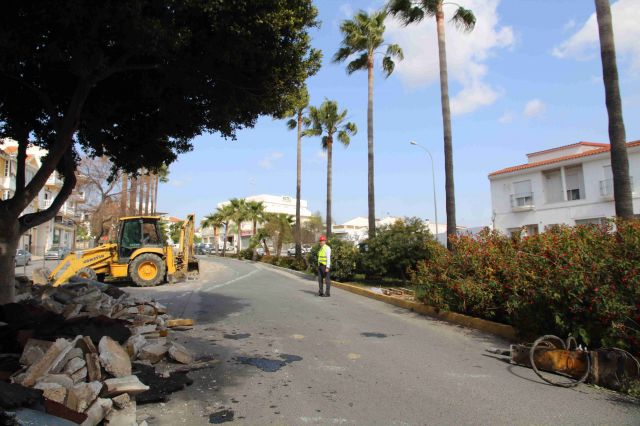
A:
x,y
42,96
30,220
22,163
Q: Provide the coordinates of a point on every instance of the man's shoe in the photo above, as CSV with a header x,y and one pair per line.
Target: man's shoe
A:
x,y
321,294
327,295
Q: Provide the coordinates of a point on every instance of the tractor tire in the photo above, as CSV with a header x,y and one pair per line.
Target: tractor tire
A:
x,y
147,270
87,273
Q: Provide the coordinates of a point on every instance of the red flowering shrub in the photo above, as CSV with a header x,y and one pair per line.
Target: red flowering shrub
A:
x,y
582,281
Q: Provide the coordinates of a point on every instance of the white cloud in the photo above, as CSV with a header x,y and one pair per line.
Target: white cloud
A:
x,y
534,108
267,162
569,25
585,44
506,118
467,54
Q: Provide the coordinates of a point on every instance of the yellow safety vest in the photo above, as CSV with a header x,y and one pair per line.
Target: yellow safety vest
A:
x,y
322,255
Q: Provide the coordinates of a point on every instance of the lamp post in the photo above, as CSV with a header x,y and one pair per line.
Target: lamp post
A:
x,y
433,174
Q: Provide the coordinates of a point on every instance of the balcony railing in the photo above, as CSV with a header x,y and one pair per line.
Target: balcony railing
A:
x,y
606,187
522,201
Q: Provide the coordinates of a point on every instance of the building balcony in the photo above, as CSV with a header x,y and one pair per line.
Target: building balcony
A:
x,y
54,181
606,188
522,202
8,183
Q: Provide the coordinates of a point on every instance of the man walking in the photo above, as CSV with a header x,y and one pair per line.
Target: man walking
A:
x,y
324,264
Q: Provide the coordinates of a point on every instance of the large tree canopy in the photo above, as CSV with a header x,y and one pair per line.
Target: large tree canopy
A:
x,y
136,80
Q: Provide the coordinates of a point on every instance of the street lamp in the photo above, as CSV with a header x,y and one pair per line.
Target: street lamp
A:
x,y
433,174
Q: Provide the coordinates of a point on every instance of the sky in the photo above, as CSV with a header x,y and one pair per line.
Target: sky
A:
x,y
527,78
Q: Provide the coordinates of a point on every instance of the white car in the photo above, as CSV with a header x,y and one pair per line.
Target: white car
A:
x,y
23,257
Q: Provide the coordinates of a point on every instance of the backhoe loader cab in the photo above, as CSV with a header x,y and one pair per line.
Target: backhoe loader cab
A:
x,y
140,254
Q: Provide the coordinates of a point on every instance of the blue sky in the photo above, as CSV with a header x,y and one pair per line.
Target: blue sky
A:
x,y
526,79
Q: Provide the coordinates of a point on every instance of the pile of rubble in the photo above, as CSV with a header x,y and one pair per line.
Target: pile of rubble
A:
x,y
85,347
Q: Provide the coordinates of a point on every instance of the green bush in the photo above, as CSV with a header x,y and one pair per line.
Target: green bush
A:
x,y
344,257
246,254
582,281
396,248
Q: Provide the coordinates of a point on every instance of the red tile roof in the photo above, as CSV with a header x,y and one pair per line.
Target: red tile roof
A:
x,y
603,149
11,149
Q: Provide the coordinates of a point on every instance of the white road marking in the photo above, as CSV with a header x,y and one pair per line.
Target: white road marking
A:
x,y
209,289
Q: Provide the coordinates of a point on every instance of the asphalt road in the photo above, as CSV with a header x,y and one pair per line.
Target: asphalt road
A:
x,y
288,357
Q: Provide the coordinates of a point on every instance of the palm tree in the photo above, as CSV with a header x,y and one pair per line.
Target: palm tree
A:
x,y
255,213
327,121
300,121
222,217
160,175
364,34
279,225
133,195
240,215
215,221
124,195
410,12
617,134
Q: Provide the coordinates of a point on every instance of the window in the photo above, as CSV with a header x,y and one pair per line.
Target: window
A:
x,y
553,186
522,197
7,168
591,221
531,230
574,183
131,237
150,234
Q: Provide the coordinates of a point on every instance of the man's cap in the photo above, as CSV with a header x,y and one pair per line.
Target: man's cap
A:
x,y
323,238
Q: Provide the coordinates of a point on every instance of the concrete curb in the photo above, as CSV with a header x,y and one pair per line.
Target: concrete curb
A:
x,y
502,330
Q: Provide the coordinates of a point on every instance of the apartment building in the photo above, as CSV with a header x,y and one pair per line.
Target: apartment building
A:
x,y
60,230
570,184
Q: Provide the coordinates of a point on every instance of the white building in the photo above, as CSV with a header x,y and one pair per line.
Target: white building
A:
x,y
570,185
356,230
60,230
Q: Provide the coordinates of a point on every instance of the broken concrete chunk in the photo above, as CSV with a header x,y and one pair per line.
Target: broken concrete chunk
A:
x,y
73,353
82,395
97,412
72,311
114,358
152,353
61,379
134,344
180,354
149,328
125,416
129,384
121,401
79,375
74,365
52,391
44,364
61,360
90,297
86,344
94,372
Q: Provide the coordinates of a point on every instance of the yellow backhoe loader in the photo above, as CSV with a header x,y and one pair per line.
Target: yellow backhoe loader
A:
x,y
140,254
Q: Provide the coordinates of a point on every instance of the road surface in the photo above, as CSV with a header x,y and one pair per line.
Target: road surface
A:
x,y
288,357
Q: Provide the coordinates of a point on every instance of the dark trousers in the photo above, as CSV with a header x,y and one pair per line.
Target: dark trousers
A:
x,y
324,275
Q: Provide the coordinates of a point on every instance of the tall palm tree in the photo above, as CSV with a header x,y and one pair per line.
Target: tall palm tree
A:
x,y
617,134
300,121
284,224
363,35
133,195
255,213
240,215
409,12
124,195
326,121
222,217
160,175
215,221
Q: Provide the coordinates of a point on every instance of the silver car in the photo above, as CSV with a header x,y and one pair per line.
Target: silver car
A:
x,y
23,257
56,253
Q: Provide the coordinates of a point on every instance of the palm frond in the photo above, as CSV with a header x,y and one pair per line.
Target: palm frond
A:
x,y
464,19
388,66
406,11
344,138
358,64
395,51
343,53
325,142
292,124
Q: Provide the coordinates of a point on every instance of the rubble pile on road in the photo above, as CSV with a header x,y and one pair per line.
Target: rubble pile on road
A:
x,y
83,347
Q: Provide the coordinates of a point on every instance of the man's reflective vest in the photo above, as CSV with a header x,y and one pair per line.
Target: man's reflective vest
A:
x,y
322,255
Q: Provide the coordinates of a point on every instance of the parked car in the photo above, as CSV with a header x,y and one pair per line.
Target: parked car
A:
x,y
306,248
260,251
56,253
23,257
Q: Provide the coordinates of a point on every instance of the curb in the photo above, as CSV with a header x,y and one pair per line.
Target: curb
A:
x,y
502,330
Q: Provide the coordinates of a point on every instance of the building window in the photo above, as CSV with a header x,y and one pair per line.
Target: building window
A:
x,y
522,197
591,221
574,183
553,186
7,168
531,230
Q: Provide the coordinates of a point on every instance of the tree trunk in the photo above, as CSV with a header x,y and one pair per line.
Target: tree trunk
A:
x,y
446,123
298,188
140,195
370,176
147,193
224,241
239,245
152,210
9,240
617,136
155,193
133,195
123,195
266,248
329,183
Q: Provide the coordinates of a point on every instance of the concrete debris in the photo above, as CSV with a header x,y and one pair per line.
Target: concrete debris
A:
x,y
152,353
180,354
114,358
78,342
130,384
